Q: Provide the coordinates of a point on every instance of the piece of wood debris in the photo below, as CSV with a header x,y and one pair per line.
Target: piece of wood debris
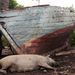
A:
x,y
63,72
65,53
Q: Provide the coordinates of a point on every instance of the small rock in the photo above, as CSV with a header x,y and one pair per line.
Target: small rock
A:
x,y
44,70
41,68
69,66
60,73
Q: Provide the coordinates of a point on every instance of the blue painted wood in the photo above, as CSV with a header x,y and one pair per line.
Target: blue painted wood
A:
x,y
24,24
36,10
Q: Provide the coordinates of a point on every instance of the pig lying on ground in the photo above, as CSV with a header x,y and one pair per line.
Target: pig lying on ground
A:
x,y
26,62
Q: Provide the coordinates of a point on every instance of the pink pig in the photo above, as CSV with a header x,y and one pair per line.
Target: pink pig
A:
x,y
27,62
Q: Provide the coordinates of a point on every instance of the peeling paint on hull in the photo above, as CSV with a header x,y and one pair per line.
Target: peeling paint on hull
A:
x,y
48,42
38,29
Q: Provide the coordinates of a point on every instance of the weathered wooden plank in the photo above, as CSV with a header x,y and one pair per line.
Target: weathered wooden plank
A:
x,y
46,14
34,25
36,18
35,10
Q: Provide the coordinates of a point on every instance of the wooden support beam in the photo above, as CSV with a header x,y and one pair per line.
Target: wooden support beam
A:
x,y
13,44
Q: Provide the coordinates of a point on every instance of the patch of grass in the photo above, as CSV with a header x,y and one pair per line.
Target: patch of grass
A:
x,y
72,37
4,41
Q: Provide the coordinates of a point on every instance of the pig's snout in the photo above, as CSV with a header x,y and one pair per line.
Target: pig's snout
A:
x,y
56,64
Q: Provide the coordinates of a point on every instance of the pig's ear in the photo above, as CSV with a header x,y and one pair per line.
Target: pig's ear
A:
x,y
48,55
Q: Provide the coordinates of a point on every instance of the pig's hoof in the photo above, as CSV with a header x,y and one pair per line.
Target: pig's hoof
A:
x,y
3,71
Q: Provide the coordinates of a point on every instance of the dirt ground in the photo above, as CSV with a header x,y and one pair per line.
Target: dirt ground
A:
x,y
67,65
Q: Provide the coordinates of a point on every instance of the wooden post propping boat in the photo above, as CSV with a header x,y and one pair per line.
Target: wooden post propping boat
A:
x,y
37,29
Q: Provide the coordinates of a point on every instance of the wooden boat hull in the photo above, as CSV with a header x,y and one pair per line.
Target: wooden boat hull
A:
x,y
37,30
48,42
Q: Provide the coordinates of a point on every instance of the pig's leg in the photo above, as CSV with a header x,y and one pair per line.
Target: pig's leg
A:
x,y
47,66
2,69
4,66
13,68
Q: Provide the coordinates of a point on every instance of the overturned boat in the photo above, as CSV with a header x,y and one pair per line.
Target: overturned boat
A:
x,y
37,29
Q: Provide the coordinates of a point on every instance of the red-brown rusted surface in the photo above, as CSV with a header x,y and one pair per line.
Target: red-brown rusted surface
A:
x,y
48,42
